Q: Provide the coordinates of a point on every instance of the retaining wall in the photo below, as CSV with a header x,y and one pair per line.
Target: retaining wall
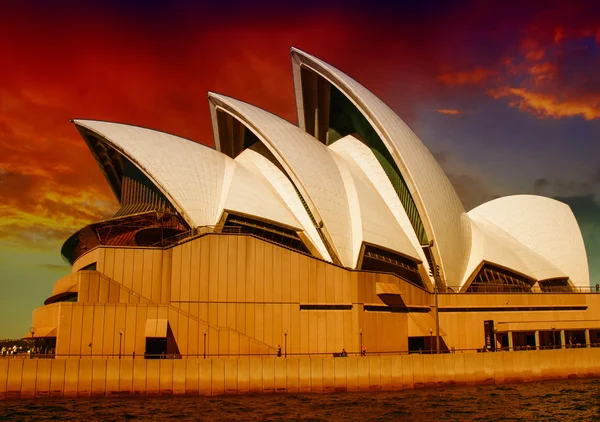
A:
x,y
22,378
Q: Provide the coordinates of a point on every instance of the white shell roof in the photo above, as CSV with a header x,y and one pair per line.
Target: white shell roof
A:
x,y
376,224
440,208
189,174
250,193
543,225
253,158
493,245
307,162
199,181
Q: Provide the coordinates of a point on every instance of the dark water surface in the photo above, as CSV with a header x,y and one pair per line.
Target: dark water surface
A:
x,y
568,400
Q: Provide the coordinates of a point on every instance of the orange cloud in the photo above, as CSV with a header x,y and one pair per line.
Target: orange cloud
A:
x,y
547,105
448,111
473,77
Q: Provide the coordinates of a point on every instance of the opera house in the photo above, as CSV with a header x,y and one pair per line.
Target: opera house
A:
x,y
337,233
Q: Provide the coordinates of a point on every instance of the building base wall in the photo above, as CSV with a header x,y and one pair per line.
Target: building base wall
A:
x,y
33,378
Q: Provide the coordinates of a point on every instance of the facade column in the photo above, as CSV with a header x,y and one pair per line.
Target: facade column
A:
x,y
563,343
587,338
537,340
510,341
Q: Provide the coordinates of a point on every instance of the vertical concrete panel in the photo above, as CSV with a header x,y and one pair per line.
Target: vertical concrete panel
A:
x,y
156,276
303,290
118,340
479,368
28,378
71,377
222,269
205,376
268,365
166,377
166,276
191,377
104,287
195,336
459,369
57,377
98,331
230,376
470,368
303,317
3,377
386,373
128,262
304,375
84,387
176,267
363,374
328,374
280,375
407,371
259,323
108,345
256,375
129,333
396,373
340,374
113,376
284,276
15,378
489,368
418,365
232,266
153,376
251,269
126,377
139,377
98,377
498,363
44,372
316,374
243,375
87,332
509,372
71,321
141,316
291,374
352,374
147,272
269,337
241,270
374,373
186,264
108,263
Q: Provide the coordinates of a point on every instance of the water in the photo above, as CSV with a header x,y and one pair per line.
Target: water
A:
x,y
566,400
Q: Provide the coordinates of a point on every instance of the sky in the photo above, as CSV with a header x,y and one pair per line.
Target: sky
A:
x,y
506,95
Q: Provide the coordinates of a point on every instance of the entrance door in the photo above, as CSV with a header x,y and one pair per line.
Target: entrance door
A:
x,y
156,347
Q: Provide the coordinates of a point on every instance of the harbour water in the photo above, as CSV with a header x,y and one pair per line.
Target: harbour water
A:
x,y
577,399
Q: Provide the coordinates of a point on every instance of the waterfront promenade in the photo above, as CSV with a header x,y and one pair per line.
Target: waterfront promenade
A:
x,y
29,378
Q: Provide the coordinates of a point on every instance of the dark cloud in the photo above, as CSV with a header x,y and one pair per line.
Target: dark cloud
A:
x,y
540,184
471,191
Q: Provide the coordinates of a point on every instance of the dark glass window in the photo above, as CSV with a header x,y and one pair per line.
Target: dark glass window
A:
x,y
268,231
491,279
346,119
89,267
377,259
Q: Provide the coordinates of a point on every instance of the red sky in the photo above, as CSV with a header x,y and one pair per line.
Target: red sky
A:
x,y
506,94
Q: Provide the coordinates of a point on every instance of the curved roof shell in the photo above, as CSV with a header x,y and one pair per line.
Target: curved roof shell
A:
x,y
438,204
307,163
543,225
198,181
